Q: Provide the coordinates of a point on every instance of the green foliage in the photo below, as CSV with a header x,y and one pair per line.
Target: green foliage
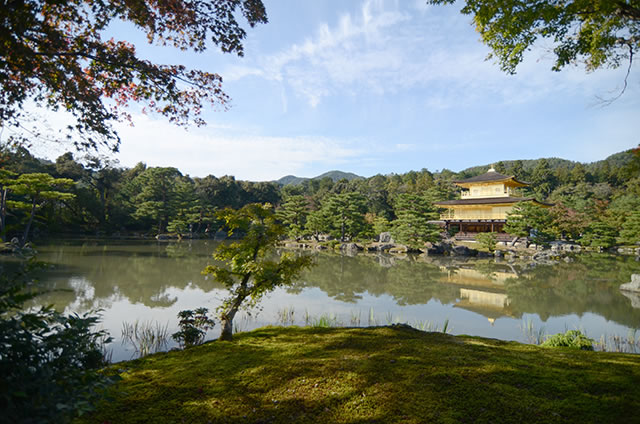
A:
x,y
193,327
596,33
412,226
487,241
293,214
250,272
567,222
49,362
530,220
155,195
345,213
599,234
38,189
572,338
630,232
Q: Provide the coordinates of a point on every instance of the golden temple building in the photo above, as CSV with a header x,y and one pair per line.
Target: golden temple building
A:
x,y
484,204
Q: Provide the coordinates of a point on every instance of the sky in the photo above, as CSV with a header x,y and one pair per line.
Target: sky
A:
x,y
378,87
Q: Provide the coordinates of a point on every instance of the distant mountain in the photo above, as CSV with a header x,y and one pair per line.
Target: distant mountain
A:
x,y
334,175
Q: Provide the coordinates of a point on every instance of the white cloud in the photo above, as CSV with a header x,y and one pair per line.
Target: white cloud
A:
x,y
429,52
251,157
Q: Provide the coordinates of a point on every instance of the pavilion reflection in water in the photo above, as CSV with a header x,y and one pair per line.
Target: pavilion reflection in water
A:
x,y
482,291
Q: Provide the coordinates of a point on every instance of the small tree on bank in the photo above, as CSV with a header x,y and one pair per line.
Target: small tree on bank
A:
x,y
488,241
249,272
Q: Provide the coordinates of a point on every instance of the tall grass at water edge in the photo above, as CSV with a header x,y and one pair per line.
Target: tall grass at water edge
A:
x,y
606,343
146,337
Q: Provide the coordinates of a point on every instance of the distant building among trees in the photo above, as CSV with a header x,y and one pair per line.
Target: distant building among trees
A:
x,y
485,203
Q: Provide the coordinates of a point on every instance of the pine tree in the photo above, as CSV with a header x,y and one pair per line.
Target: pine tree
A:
x,y
412,226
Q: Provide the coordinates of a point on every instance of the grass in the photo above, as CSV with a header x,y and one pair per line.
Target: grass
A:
x,y
392,374
145,337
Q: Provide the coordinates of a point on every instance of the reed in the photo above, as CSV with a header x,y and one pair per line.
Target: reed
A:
x,y
146,337
286,316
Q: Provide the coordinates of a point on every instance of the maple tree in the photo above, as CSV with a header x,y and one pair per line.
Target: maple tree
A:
x,y
55,53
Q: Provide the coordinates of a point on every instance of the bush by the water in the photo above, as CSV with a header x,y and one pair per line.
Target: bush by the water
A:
x,y
49,362
572,338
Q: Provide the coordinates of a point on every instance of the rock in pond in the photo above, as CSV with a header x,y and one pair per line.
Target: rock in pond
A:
x,y
634,285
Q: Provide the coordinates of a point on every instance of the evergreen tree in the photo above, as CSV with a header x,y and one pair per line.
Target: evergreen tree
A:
x,y
412,226
529,220
293,214
599,234
38,189
156,195
630,232
346,212
542,179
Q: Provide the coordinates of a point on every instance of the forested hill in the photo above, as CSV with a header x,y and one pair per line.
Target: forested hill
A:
x,y
614,161
334,175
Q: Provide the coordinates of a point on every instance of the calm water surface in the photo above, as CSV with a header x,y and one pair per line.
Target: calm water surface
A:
x,y
150,281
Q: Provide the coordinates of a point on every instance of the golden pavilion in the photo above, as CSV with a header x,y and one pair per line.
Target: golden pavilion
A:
x,y
484,204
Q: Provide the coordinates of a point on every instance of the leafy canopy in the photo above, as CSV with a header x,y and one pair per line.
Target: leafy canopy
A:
x,y
54,53
250,270
601,33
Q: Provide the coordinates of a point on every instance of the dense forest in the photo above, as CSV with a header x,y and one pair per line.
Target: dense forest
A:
x,y
596,203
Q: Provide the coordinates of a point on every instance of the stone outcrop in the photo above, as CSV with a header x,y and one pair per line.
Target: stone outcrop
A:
x,y
634,285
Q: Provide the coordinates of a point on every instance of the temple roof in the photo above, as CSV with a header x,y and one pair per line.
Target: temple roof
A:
x,y
490,176
490,201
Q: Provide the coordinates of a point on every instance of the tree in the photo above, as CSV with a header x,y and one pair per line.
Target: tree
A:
x,y
542,179
54,54
293,214
156,194
529,220
6,179
317,223
412,226
630,232
600,33
487,240
599,234
39,189
346,213
567,222
250,271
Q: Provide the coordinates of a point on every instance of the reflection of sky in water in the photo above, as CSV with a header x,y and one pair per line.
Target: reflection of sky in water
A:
x,y
150,283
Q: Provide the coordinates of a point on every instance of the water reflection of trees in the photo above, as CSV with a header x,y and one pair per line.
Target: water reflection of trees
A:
x,y
346,278
589,284
141,273
98,274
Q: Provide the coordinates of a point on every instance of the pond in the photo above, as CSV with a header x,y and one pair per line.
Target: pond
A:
x,y
151,282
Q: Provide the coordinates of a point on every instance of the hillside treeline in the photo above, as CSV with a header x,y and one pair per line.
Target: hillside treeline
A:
x,y
91,195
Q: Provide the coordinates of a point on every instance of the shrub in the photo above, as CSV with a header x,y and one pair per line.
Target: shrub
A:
x,y
572,338
193,327
487,240
50,363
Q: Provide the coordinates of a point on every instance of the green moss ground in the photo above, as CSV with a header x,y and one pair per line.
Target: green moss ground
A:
x,y
373,375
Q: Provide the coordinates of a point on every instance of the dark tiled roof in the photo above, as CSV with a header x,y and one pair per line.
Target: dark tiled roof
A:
x,y
489,176
489,200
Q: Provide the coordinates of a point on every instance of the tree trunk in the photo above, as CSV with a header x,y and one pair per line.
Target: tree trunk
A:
x,y
3,210
227,325
26,230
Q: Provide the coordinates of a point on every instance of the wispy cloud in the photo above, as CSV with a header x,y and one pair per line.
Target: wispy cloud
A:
x,y
388,48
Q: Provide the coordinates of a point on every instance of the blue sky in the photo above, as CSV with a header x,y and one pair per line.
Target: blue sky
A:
x,y
380,87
